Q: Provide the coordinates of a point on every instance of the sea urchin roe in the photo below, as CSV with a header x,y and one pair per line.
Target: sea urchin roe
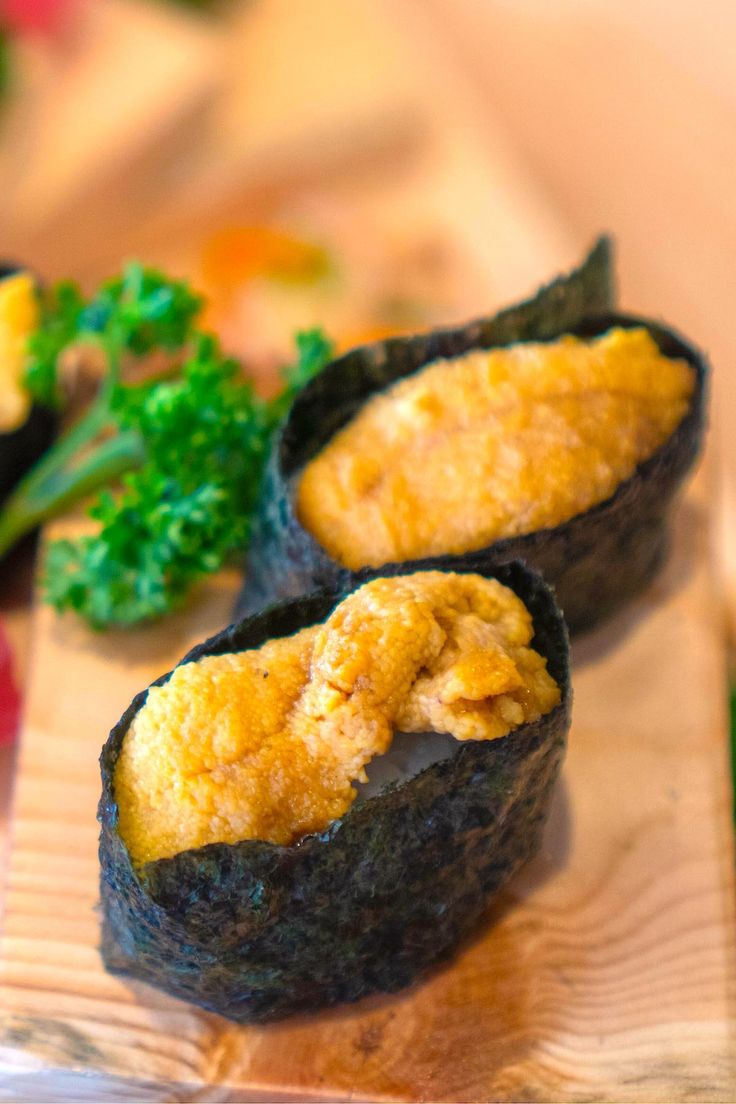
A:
x,y
493,444
267,744
18,319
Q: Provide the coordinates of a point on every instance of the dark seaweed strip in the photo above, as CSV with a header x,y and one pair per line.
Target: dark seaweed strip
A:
x,y
256,931
596,561
284,559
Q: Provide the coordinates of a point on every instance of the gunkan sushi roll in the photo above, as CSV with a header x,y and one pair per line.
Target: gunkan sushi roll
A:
x,y
26,429
556,434
320,801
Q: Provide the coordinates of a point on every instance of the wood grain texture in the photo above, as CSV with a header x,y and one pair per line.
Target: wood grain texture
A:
x,y
608,969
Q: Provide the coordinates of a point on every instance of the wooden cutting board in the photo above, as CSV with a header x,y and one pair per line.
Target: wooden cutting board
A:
x,y
606,971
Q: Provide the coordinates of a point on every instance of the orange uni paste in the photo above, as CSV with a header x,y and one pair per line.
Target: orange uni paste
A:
x,y
492,444
266,744
19,317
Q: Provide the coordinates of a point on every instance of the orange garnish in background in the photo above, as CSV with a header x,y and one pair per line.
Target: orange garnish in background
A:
x,y
237,254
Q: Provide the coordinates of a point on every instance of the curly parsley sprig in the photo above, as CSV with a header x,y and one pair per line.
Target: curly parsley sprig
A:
x,y
176,461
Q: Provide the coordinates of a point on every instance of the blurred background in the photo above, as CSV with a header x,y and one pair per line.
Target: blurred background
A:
x,y
380,165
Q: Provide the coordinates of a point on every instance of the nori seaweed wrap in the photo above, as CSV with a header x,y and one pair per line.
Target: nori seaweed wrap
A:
x,y
256,931
596,559
23,444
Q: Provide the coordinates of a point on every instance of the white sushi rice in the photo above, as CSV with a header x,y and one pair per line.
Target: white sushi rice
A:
x,y
409,754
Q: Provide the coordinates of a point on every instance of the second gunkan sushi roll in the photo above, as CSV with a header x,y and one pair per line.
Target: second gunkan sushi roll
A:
x,y
554,433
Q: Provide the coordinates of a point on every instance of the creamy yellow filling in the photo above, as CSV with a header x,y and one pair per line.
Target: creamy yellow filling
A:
x,y
266,744
492,444
18,319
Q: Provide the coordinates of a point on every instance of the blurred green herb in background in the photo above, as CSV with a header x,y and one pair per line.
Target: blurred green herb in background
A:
x,y
176,461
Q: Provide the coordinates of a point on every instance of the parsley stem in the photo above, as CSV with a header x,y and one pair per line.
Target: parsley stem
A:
x,y
68,446
72,469
97,419
61,486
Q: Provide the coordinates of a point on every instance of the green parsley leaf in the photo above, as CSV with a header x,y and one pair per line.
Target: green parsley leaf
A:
x,y
177,461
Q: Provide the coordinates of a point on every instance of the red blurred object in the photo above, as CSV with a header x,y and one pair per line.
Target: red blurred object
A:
x,y
9,696
32,15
